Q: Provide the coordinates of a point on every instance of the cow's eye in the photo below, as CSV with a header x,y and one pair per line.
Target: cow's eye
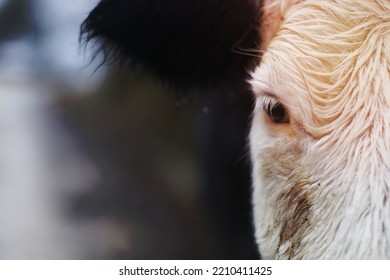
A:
x,y
277,112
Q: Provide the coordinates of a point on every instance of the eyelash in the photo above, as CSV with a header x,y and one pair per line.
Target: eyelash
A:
x,y
267,101
274,109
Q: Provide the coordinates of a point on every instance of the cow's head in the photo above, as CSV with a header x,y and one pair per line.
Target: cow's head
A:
x,y
320,138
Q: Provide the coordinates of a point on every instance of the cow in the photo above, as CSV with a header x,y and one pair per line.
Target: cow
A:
x,y
320,134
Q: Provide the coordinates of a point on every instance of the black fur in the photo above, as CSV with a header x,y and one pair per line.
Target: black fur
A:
x,y
198,43
187,42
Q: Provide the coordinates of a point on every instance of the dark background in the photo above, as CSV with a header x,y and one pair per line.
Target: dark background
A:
x,y
112,164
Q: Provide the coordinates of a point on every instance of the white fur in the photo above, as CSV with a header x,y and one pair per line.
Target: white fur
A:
x,y
329,66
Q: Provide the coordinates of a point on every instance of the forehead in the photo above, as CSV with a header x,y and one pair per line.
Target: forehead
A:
x,y
328,55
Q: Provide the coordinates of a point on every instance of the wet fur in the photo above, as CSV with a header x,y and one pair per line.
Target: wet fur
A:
x,y
329,65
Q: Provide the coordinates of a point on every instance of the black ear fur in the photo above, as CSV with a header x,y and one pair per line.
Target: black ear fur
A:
x,y
187,42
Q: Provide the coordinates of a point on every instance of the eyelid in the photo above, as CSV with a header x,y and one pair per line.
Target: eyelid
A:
x,y
266,99
275,110
260,88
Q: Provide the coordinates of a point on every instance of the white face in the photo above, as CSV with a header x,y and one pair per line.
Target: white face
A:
x,y
320,138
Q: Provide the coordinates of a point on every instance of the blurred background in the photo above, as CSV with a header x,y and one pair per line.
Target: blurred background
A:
x,y
105,163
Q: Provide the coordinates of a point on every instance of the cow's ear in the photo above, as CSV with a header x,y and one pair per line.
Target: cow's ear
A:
x,y
187,42
271,21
